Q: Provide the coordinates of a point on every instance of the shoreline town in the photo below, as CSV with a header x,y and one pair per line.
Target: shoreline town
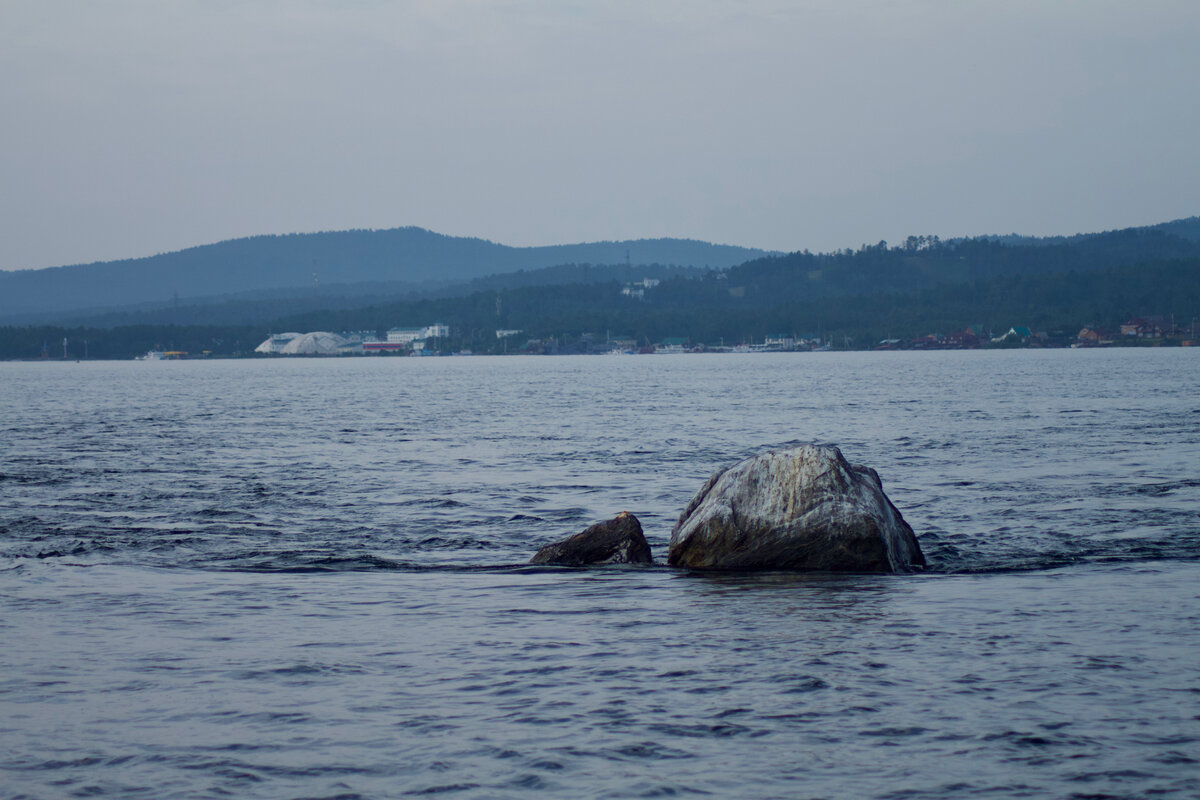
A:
x,y
428,340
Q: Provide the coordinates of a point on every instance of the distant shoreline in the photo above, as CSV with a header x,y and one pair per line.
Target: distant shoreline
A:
x,y
346,356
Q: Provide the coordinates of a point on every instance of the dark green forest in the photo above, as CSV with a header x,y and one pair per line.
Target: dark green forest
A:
x,y
853,298
1059,302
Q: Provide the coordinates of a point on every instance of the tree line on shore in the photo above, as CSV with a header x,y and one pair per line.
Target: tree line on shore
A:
x,y
852,298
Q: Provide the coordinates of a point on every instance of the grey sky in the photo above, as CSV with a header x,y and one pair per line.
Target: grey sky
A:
x,y
136,127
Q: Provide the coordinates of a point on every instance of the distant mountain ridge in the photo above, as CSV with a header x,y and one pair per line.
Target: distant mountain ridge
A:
x,y
1185,228
261,278
407,256
248,308
921,287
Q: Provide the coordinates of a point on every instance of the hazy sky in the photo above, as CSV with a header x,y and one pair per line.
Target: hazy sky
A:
x,y
136,127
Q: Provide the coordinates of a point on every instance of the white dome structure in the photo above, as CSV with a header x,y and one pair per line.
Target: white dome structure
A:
x,y
317,343
276,342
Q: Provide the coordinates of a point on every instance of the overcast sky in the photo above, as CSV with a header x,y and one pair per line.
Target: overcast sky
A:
x,y
131,128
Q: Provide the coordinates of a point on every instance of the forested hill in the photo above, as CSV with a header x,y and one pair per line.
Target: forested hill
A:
x,y
411,256
918,264
853,297
1186,228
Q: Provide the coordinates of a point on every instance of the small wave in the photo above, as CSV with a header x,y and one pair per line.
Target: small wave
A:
x,y
433,502
895,733
301,562
217,513
1163,489
701,731
303,670
444,788
805,685
650,751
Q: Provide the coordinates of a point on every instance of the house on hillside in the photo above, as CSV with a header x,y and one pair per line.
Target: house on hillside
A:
x,y
1091,336
932,341
1145,328
637,289
966,338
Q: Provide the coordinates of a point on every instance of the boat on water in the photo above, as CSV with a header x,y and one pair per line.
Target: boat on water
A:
x,y
164,355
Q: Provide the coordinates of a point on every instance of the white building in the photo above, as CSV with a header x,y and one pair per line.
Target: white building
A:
x,y
783,341
409,335
403,335
637,289
436,331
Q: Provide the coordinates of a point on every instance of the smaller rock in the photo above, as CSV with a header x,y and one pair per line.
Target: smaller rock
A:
x,y
617,541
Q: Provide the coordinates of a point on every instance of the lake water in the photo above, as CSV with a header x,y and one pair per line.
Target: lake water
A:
x,y
304,579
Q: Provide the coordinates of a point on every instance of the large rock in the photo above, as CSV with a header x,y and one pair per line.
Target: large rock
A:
x,y
617,541
803,508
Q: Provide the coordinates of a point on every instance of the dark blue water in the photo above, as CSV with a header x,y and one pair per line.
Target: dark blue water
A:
x,y
304,579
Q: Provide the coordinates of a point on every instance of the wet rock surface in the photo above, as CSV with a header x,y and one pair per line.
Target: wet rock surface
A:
x,y
617,541
802,508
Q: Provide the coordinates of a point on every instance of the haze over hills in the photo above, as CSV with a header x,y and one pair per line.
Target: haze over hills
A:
x,y
248,308
919,287
405,259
